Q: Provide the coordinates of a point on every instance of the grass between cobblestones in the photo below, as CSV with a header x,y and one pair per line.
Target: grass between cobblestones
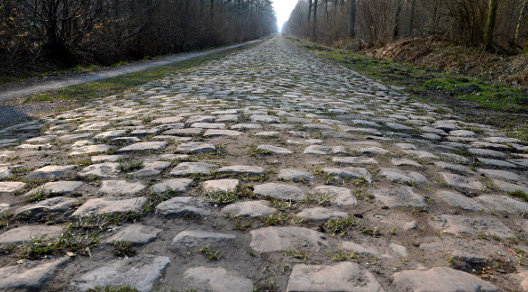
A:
x,y
499,104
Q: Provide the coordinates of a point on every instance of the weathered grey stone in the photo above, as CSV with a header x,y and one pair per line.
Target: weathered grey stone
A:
x,y
324,150
361,160
446,125
56,188
469,225
459,169
457,200
496,163
268,134
421,154
509,187
405,162
274,239
11,187
221,133
339,196
242,169
126,140
294,175
458,181
200,119
57,204
190,168
340,277
349,172
184,132
487,152
152,168
401,176
504,204
274,150
195,147
357,248
90,149
74,137
145,132
110,134
372,150
177,185
222,185
198,238
121,187
181,206
51,172
264,119
102,170
167,120
136,233
399,196
440,279
209,125
27,233
216,280
30,276
280,191
246,127
249,209
110,206
5,172
144,146
139,273
321,214
501,174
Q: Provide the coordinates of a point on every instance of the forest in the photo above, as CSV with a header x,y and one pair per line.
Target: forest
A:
x,y
53,34
497,26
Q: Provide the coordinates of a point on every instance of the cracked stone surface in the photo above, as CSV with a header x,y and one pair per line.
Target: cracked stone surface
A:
x,y
285,135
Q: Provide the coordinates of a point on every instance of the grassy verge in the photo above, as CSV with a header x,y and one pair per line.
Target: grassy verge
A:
x,y
82,93
497,104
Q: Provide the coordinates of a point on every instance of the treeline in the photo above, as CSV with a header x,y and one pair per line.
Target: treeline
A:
x,y
496,25
71,32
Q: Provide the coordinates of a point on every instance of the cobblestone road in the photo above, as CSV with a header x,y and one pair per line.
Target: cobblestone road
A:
x,y
268,170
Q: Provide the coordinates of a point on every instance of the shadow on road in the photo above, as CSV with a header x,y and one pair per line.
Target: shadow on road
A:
x,y
10,115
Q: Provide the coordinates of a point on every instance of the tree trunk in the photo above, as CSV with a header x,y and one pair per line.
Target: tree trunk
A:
x,y
411,18
490,23
314,32
309,11
352,19
518,26
396,33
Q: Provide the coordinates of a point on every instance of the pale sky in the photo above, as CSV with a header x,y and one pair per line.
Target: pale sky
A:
x,y
283,8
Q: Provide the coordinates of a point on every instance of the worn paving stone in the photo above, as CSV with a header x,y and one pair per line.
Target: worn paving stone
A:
x,y
249,209
355,160
504,204
26,233
471,225
280,191
120,187
242,169
338,195
275,239
221,185
321,214
196,238
152,168
91,149
294,175
137,234
399,196
458,181
110,206
221,133
216,280
181,206
349,172
340,277
274,150
124,272
56,205
195,147
51,172
324,150
175,185
440,279
457,200
9,188
30,276
102,170
190,168
144,146
402,176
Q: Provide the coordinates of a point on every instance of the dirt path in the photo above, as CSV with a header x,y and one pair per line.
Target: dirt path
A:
x,y
109,73
268,170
